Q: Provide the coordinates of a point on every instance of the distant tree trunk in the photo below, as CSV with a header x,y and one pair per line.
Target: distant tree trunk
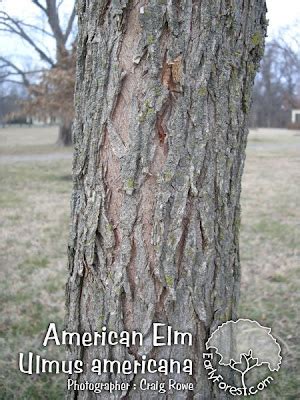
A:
x,y
162,98
65,134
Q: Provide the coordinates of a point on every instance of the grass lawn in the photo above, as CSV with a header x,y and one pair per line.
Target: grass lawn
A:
x,y
34,200
34,217
270,248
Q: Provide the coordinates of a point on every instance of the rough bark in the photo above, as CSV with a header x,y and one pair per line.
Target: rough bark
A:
x,y
65,134
162,99
60,37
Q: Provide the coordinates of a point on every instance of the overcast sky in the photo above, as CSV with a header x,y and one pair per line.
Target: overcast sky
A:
x,y
280,14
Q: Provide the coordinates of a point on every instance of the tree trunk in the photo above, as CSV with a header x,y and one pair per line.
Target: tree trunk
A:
x,y
162,98
65,134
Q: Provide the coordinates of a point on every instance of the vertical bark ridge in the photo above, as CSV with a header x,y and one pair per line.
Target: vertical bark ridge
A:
x,y
162,98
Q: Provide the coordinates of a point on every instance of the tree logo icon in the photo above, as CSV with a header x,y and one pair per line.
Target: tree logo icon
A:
x,y
243,346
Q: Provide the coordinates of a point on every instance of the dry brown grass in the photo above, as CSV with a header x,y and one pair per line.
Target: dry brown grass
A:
x,y
270,238
16,140
34,201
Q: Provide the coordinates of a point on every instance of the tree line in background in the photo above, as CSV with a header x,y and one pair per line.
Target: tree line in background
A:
x,y
277,85
46,92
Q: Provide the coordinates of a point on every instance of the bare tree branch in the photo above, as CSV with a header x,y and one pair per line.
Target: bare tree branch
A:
x,y
12,25
289,54
37,3
13,81
53,19
10,73
70,24
51,12
10,69
59,4
37,28
9,64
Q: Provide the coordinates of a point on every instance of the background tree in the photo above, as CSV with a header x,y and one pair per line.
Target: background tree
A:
x,y
10,99
56,69
276,89
53,96
162,99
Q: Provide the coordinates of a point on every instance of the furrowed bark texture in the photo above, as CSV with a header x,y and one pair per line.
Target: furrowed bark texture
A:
x,y
162,97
